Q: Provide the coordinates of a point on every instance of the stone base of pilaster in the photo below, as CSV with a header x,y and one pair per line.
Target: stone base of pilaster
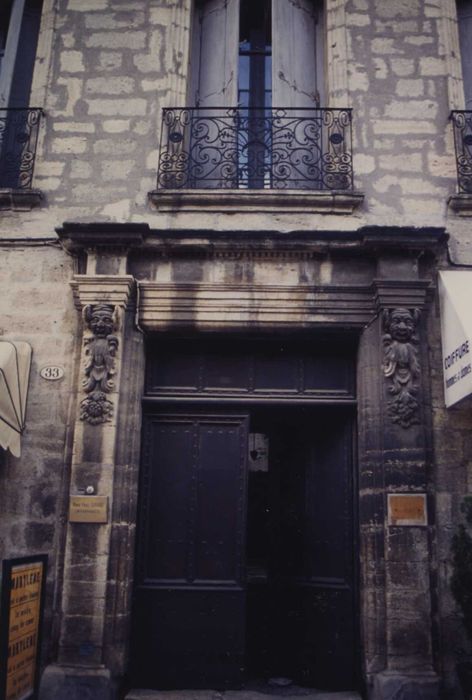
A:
x,y
76,683
398,686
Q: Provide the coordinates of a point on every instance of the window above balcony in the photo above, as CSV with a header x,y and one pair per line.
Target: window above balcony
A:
x,y
462,127
18,140
254,134
275,159
19,124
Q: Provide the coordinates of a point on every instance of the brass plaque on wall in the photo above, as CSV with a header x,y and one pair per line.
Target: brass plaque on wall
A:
x,y
88,509
407,509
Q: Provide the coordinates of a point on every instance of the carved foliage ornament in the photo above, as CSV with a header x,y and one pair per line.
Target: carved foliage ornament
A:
x,y
401,367
100,351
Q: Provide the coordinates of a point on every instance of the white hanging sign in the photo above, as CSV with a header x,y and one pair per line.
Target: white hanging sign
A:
x,y
455,289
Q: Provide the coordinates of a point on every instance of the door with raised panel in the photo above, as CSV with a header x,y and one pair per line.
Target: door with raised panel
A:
x,y
189,615
301,622
246,529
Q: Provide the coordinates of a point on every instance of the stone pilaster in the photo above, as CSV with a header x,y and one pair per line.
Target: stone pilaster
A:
x,y
395,460
336,54
103,301
449,47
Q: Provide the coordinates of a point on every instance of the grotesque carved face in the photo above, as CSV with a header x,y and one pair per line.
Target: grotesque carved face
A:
x,y
401,325
101,320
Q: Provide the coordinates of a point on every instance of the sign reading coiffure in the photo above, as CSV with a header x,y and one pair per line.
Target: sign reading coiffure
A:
x,y
455,289
22,597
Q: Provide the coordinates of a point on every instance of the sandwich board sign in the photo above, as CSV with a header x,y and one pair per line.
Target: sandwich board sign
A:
x,y
21,611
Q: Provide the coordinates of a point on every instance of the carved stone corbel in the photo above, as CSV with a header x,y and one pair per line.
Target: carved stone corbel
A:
x,y
99,369
401,366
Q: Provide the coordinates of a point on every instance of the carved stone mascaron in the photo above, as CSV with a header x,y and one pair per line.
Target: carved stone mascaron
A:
x,y
401,366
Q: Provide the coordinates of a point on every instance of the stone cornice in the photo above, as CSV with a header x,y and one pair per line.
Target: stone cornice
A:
x,y
243,244
106,289
77,236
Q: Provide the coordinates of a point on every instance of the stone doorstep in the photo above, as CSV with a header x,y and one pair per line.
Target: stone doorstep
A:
x,y
237,695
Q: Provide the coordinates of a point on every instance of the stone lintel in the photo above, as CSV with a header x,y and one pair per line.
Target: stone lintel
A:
x,y
461,204
242,306
19,200
105,289
409,294
217,200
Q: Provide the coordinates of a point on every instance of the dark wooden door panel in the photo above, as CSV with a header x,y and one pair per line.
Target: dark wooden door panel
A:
x,y
189,613
301,621
193,593
189,638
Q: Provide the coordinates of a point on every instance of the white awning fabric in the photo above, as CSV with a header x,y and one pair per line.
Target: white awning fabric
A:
x,y
455,293
15,364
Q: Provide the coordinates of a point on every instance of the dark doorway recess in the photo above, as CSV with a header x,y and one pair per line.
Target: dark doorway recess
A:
x,y
246,535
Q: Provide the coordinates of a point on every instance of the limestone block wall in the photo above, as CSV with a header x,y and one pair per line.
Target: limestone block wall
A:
x,y
107,68
452,478
36,306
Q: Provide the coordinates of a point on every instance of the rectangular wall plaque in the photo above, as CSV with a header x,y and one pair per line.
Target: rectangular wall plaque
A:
x,y
22,600
407,509
88,509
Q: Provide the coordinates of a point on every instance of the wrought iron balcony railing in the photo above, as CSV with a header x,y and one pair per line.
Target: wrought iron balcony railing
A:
x,y
256,148
462,125
18,139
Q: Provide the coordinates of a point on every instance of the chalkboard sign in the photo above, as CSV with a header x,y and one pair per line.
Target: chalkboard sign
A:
x,y
21,611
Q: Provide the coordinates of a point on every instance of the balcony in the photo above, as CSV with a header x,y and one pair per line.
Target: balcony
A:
x,y
18,140
249,156
462,126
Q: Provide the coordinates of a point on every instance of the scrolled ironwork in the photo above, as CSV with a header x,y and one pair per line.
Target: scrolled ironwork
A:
x,y
462,125
18,139
256,148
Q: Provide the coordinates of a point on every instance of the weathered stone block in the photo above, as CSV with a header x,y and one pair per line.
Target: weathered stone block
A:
x,y
119,107
72,62
116,126
403,66
109,86
110,60
410,87
116,40
70,145
75,683
392,686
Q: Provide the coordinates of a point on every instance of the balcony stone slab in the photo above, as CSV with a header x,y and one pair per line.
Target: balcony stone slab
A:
x,y
276,201
19,200
461,204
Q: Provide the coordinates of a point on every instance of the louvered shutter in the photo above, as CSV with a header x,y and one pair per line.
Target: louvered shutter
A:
x,y
296,53
215,54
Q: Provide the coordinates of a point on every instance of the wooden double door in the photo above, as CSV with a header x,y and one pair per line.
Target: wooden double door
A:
x,y
246,547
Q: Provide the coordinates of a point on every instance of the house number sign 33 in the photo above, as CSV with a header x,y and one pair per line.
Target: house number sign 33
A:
x,y
52,372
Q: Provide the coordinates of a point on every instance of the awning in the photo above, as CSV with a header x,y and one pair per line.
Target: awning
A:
x,y
15,363
455,293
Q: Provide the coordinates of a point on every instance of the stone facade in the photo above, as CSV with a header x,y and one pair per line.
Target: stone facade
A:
x,y
104,237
